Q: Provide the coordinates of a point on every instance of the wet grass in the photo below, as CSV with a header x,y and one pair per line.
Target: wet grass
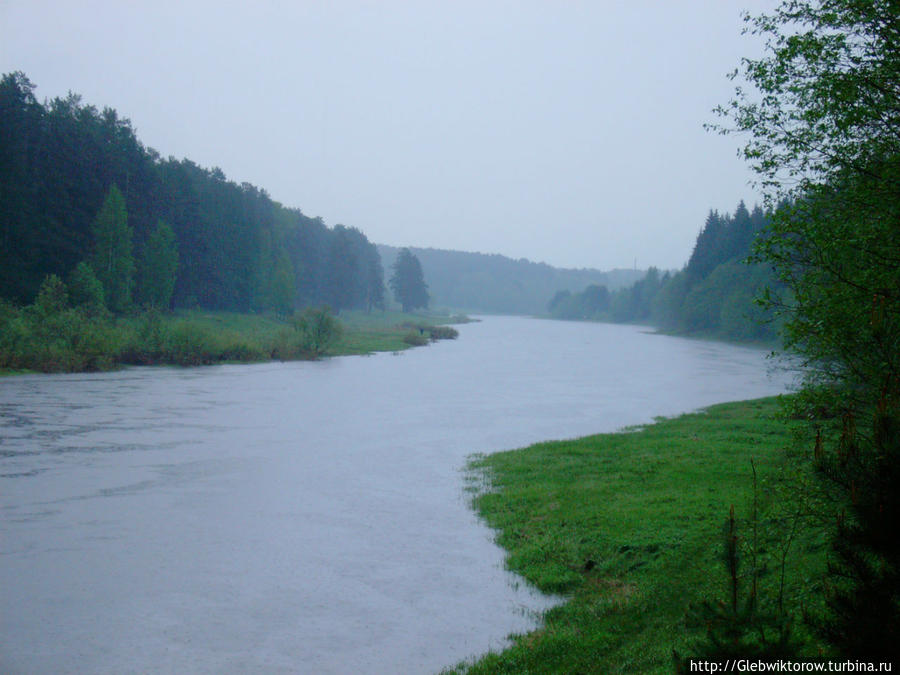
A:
x,y
627,527
71,340
364,332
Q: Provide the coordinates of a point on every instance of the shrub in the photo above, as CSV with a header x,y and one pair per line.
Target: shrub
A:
x,y
53,297
415,339
85,290
190,345
318,329
443,333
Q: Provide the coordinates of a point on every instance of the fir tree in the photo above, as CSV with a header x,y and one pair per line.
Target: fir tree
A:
x,y
408,282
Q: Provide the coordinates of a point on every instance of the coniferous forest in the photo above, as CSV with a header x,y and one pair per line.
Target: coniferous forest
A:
x,y
237,249
496,284
715,294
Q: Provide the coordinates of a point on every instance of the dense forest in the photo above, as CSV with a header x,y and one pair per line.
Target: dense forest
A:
x,y
479,282
714,294
237,249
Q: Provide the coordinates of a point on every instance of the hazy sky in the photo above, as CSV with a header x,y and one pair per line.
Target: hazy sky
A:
x,y
560,131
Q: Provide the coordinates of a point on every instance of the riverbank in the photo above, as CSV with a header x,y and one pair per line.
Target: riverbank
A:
x,y
71,340
628,527
772,344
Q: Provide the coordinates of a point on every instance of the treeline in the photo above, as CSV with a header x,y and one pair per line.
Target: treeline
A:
x,y
478,282
714,294
237,249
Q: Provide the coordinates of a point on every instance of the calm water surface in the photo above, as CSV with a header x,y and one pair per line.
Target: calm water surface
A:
x,y
303,517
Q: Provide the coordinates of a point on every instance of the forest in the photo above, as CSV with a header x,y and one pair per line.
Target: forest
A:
x,y
497,284
237,248
715,294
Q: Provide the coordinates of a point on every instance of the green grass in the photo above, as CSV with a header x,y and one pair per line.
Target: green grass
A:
x,y
70,340
627,527
364,333
375,332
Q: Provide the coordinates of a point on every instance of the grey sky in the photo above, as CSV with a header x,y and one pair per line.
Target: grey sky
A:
x,y
566,132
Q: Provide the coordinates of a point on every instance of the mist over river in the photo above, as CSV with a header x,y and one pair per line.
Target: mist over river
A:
x,y
304,517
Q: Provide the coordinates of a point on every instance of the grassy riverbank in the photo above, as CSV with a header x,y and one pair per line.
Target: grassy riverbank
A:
x,y
628,528
71,340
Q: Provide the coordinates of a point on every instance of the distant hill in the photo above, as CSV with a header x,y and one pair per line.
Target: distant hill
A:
x,y
478,282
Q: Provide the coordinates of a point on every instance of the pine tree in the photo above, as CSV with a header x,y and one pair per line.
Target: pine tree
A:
x,y
737,627
408,282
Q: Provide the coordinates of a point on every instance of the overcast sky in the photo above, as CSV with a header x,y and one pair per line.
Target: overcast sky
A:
x,y
560,131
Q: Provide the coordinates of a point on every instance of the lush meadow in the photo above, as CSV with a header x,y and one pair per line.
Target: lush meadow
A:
x,y
628,529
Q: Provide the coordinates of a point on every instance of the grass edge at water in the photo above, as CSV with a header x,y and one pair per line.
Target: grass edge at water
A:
x,y
627,526
72,341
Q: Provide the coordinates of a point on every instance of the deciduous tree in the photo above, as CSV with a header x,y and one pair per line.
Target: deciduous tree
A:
x,y
159,266
85,290
822,118
112,258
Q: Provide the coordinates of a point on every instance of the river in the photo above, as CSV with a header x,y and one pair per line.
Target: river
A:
x,y
304,517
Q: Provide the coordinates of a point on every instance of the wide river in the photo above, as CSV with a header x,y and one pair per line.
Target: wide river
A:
x,y
304,517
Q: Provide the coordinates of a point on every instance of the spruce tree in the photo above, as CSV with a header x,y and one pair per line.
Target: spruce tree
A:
x,y
408,282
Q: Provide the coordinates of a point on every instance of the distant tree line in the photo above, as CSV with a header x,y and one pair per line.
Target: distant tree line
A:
x,y
479,282
82,198
714,294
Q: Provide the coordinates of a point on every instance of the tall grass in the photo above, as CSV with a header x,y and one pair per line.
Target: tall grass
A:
x,y
56,338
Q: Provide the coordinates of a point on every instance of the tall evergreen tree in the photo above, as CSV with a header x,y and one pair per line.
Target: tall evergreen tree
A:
x,y
112,258
708,250
20,124
408,282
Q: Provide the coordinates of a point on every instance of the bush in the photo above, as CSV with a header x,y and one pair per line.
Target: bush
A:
x,y
53,297
49,338
190,345
416,339
443,333
318,329
85,290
